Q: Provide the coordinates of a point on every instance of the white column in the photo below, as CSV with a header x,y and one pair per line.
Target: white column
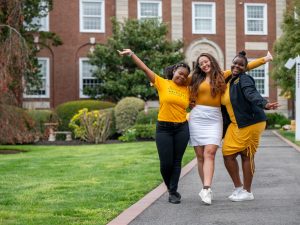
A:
x,y
177,19
230,31
297,84
121,10
280,9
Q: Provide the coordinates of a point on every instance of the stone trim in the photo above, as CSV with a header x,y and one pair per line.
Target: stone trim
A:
x,y
256,45
121,10
230,31
177,19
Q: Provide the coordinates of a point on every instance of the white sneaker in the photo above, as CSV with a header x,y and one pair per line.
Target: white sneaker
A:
x,y
206,195
235,192
243,195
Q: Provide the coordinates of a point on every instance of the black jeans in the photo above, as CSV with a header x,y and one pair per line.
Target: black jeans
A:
x,y
171,141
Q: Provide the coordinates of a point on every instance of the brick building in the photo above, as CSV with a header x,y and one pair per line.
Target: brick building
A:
x,y
220,27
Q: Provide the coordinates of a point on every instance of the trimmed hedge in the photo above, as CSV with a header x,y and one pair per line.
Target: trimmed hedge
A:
x,y
126,112
147,118
67,110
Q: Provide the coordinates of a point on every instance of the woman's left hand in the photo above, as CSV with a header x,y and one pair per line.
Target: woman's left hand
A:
x,y
272,105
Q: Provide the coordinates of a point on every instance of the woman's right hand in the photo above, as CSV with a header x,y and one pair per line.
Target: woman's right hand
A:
x,y
271,105
126,51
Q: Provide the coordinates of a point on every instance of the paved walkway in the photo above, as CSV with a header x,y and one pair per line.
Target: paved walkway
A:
x,y
276,188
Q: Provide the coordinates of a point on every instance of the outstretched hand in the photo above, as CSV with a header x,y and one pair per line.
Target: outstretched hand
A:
x,y
268,57
272,105
126,51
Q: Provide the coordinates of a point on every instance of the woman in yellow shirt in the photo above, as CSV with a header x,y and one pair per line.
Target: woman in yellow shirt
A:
x,y
205,120
172,131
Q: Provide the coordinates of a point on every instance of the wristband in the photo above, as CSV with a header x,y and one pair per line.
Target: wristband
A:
x,y
130,54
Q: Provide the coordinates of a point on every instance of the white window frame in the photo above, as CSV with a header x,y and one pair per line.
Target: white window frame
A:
x,y
81,60
159,2
47,88
265,19
266,76
81,27
213,19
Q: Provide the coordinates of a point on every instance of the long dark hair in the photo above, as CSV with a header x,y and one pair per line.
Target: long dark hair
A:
x,y
169,70
217,81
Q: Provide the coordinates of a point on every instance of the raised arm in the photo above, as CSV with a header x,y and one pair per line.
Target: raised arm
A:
x,y
253,64
140,64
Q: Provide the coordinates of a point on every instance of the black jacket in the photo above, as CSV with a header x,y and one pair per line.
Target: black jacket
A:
x,y
247,103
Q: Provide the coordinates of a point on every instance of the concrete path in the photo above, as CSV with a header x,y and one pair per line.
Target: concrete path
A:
x,y
276,188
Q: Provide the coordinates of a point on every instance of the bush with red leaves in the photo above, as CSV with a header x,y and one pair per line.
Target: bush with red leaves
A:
x,y
16,126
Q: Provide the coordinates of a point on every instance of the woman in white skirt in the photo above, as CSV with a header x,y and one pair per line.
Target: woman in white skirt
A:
x,y
207,84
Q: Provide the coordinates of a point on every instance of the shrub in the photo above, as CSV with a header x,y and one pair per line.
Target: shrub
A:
x,y
111,113
128,136
147,118
67,110
42,116
139,131
145,131
16,126
126,112
276,118
91,126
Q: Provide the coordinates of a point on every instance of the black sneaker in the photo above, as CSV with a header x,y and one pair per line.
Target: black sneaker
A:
x,y
178,195
174,198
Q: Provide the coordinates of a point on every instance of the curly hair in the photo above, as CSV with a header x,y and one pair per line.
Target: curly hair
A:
x,y
169,70
217,81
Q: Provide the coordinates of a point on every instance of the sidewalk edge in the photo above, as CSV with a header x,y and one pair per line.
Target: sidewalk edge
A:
x,y
133,211
287,141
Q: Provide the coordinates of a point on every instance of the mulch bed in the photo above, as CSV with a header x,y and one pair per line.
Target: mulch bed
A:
x,y
10,151
66,143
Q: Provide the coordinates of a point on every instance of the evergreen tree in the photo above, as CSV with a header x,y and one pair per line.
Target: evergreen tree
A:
x,y
119,76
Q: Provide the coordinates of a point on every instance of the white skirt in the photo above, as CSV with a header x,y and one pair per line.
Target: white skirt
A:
x,y
205,125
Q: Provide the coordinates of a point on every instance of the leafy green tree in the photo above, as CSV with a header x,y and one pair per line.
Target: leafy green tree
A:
x,y
287,46
119,76
18,28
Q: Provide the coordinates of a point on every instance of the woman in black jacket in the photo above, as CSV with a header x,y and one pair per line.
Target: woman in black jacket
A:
x,y
245,107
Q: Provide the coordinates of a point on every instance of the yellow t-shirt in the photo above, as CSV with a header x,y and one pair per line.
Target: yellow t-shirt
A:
x,y
173,100
204,95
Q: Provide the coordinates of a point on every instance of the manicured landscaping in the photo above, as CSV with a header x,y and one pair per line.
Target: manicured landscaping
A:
x,y
87,184
290,135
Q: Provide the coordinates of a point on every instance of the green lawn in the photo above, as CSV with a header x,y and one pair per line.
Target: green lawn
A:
x,y
88,184
290,135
